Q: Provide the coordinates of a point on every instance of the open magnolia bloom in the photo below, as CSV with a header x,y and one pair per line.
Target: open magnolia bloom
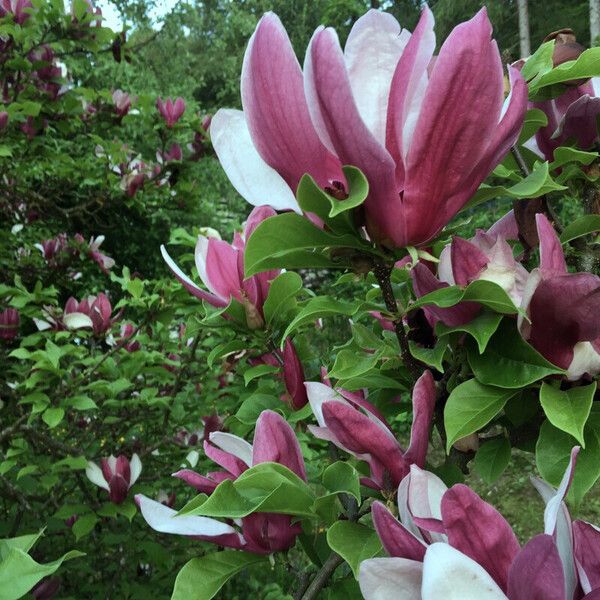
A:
x,y
220,266
487,256
115,475
451,544
356,426
383,105
562,309
261,533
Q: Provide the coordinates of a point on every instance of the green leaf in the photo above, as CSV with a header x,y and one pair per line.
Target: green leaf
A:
x,y
201,578
358,189
491,459
81,402
534,120
353,542
84,525
580,227
316,308
282,293
568,410
252,406
553,451
223,350
292,241
352,363
259,371
19,572
470,407
53,416
481,328
539,62
587,65
485,292
564,155
433,357
22,542
342,477
266,487
5,151
509,361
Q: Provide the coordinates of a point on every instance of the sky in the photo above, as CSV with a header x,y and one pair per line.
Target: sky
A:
x,y
113,21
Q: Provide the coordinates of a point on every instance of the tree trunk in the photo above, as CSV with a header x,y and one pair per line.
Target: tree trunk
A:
x,y
524,41
594,21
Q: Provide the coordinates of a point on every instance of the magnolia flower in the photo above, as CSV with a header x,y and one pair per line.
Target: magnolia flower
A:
x,y
16,8
562,309
221,268
9,323
3,120
52,247
572,116
487,256
382,105
261,533
174,153
104,262
122,102
115,475
451,544
171,111
356,426
127,332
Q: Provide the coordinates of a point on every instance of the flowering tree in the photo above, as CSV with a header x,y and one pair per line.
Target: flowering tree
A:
x,y
370,399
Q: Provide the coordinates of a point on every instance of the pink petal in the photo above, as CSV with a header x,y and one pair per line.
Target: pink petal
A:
x,y
372,50
536,573
396,539
467,261
340,126
276,111
506,227
423,400
275,441
408,89
425,493
552,258
361,435
478,530
293,375
587,554
390,578
224,459
459,115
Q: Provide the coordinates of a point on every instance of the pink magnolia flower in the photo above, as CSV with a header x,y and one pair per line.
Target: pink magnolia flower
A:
x,y
173,153
104,262
125,335
115,475
356,426
122,102
487,256
221,268
51,248
261,533
9,323
451,544
171,111
16,8
3,120
562,309
381,105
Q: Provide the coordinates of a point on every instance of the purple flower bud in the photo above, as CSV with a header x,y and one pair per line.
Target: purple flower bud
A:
x,y
9,323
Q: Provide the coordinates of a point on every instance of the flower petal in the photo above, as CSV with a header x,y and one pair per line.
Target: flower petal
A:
x,y
537,572
275,441
425,493
250,175
390,578
449,574
135,469
478,530
552,258
587,554
467,261
396,539
423,401
276,110
372,51
94,473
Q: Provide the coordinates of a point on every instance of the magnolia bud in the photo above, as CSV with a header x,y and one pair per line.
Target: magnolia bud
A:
x,y
566,48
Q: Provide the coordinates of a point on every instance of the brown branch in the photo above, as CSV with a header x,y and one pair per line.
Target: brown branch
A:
x,y
322,577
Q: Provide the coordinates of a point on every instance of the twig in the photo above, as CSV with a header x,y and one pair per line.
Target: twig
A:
x,y
382,273
322,576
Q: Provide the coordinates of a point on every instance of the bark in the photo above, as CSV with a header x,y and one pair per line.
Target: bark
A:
x,y
524,39
594,22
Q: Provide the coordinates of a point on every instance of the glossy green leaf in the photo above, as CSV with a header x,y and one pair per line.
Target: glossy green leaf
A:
x,y
491,459
509,361
470,407
481,328
352,363
433,357
53,416
580,227
202,578
353,542
568,410
282,293
342,477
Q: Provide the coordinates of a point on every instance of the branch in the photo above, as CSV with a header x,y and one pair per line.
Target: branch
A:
x,y
382,273
322,577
